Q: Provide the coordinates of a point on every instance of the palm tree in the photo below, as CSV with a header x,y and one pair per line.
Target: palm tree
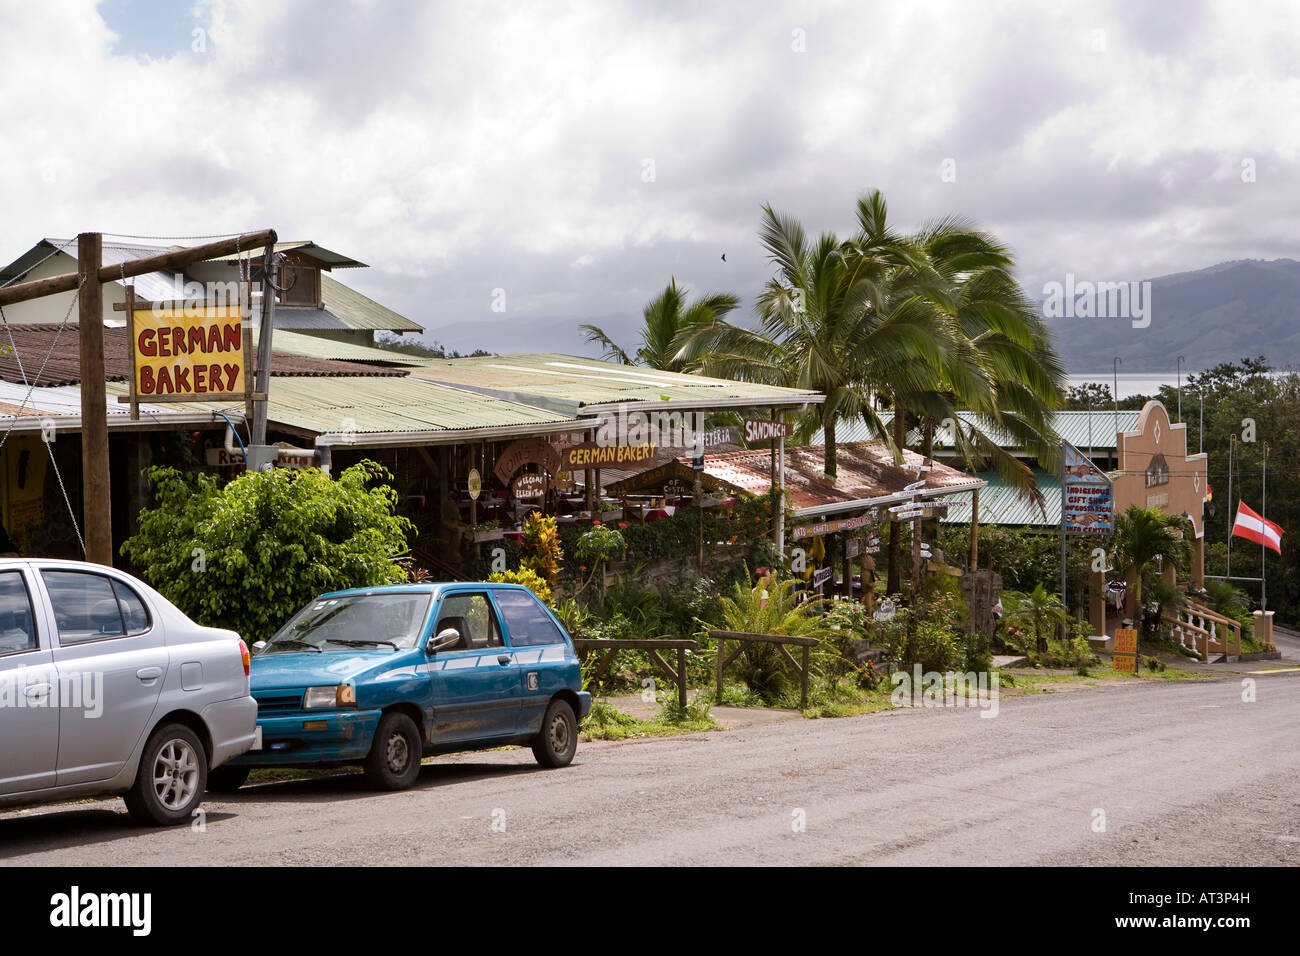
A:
x,y
667,317
1147,539
1042,611
995,359
821,327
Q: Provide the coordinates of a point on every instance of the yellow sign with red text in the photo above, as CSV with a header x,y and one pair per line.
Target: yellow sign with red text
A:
x,y
196,352
1126,645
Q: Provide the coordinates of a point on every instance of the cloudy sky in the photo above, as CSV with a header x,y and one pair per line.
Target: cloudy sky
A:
x,y
578,155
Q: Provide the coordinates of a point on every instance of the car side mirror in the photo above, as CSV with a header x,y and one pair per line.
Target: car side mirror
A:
x,y
442,640
258,645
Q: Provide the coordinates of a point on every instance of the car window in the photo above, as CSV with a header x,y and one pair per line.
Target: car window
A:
x,y
526,619
472,615
17,628
134,614
85,607
340,623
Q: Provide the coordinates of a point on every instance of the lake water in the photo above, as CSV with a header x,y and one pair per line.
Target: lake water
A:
x,y
1134,383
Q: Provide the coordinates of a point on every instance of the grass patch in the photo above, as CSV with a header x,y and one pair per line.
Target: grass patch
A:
x,y
607,722
853,703
283,774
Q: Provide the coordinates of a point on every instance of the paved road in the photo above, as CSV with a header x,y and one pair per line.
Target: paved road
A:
x,y
1185,774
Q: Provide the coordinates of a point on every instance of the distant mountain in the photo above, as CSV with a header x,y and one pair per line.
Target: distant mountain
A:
x,y
1218,314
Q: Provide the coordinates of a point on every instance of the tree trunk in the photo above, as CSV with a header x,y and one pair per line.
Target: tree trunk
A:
x,y
829,466
892,585
895,528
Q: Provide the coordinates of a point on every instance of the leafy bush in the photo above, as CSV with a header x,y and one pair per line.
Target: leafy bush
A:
x,y
542,553
696,709
528,578
925,635
768,609
249,555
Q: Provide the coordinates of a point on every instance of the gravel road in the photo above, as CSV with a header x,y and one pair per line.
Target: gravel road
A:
x,y
1184,773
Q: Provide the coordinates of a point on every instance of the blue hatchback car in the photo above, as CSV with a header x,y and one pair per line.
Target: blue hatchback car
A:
x,y
387,675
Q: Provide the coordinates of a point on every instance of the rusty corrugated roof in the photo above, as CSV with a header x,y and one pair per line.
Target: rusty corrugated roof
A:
x,y
53,352
865,473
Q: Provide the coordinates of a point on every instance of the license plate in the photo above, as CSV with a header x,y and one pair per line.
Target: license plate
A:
x,y
257,739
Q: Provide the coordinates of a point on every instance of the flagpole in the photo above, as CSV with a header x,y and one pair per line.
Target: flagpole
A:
x,y
1231,517
1263,531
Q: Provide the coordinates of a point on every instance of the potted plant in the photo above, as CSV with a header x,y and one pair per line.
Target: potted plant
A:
x,y
488,531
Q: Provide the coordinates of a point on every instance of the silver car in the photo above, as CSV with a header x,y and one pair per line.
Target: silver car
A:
x,y
106,688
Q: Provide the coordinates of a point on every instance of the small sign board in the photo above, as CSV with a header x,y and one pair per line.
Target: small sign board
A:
x,y
188,353
722,435
296,458
1126,642
529,485
830,527
1089,499
475,484
592,455
821,576
762,429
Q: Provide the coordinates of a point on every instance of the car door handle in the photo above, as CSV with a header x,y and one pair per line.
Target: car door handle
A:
x,y
147,674
503,659
37,691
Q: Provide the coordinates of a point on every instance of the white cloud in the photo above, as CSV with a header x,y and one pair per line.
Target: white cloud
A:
x,y
463,147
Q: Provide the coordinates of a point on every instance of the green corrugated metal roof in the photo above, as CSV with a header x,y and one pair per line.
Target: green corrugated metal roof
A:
x,y
1000,503
572,383
315,346
372,405
1074,427
359,311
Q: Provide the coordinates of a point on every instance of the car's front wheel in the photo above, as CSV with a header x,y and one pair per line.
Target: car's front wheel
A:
x,y
558,740
394,759
172,776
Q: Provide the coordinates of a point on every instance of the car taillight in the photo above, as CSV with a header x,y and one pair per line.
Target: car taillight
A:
x,y
243,653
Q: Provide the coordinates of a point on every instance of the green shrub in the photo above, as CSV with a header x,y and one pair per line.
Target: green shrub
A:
x,y
926,635
249,555
528,578
772,609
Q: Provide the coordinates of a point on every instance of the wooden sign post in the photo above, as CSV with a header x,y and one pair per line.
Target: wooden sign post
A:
x,y
87,281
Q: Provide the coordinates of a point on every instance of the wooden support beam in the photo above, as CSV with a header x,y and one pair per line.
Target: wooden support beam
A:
x,y
97,514
164,262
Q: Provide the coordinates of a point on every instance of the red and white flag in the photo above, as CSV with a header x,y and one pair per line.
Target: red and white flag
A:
x,y
1255,528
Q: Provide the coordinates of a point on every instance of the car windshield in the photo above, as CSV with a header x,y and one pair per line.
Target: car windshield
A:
x,y
346,623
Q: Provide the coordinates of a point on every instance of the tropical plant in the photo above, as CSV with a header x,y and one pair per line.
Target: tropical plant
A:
x,y
248,555
822,326
927,635
529,579
1146,541
667,318
595,549
768,607
929,325
541,552
1041,611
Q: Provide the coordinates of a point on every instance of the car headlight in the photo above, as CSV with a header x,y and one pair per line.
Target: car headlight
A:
x,y
333,695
